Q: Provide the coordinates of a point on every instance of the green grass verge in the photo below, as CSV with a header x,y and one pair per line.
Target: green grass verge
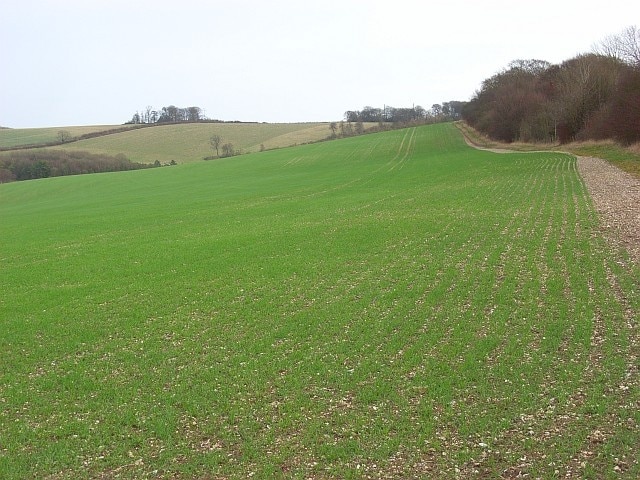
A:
x,y
625,158
395,305
622,157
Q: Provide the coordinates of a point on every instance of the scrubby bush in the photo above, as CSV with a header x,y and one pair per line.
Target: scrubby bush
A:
x,y
42,163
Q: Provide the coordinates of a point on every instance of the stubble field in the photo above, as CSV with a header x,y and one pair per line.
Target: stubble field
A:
x,y
395,305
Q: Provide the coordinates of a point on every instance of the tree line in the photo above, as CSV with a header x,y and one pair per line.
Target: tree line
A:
x,y
594,95
444,112
388,118
170,114
29,165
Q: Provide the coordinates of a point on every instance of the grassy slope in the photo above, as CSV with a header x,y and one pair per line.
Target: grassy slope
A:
x,y
190,142
394,305
12,137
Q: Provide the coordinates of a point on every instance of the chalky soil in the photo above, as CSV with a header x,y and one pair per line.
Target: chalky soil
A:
x,y
616,198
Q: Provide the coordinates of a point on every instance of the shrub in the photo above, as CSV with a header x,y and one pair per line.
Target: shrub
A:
x,y
27,165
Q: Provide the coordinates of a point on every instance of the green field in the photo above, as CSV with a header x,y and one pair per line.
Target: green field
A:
x,y
394,305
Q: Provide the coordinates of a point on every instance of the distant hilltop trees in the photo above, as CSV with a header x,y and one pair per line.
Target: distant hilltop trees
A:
x,y
448,111
170,114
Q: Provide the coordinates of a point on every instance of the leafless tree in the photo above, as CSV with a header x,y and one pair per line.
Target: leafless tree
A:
x,y
227,150
624,46
215,141
147,114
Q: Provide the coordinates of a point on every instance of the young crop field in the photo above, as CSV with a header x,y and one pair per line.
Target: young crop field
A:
x,y
394,305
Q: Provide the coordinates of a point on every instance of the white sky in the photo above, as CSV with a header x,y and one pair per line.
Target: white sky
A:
x,y
83,62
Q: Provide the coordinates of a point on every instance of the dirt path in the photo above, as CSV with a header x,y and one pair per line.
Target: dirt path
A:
x,y
615,195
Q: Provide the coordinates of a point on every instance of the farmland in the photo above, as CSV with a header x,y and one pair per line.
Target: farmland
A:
x,y
182,143
394,305
190,141
10,137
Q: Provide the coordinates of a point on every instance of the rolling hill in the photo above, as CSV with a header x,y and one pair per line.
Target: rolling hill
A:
x,y
180,142
17,137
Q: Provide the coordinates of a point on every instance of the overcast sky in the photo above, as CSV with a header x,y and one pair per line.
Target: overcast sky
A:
x,y
84,62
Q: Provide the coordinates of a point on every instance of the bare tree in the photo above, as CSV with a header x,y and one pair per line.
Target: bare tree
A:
x,y
227,150
624,46
585,84
215,141
147,114
334,128
630,40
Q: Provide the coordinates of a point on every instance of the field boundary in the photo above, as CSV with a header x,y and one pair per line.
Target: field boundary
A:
x,y
616,197
85,136
614,192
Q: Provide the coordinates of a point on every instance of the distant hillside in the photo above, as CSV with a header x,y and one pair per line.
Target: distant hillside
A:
x,y
185,142
18,137
190,141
